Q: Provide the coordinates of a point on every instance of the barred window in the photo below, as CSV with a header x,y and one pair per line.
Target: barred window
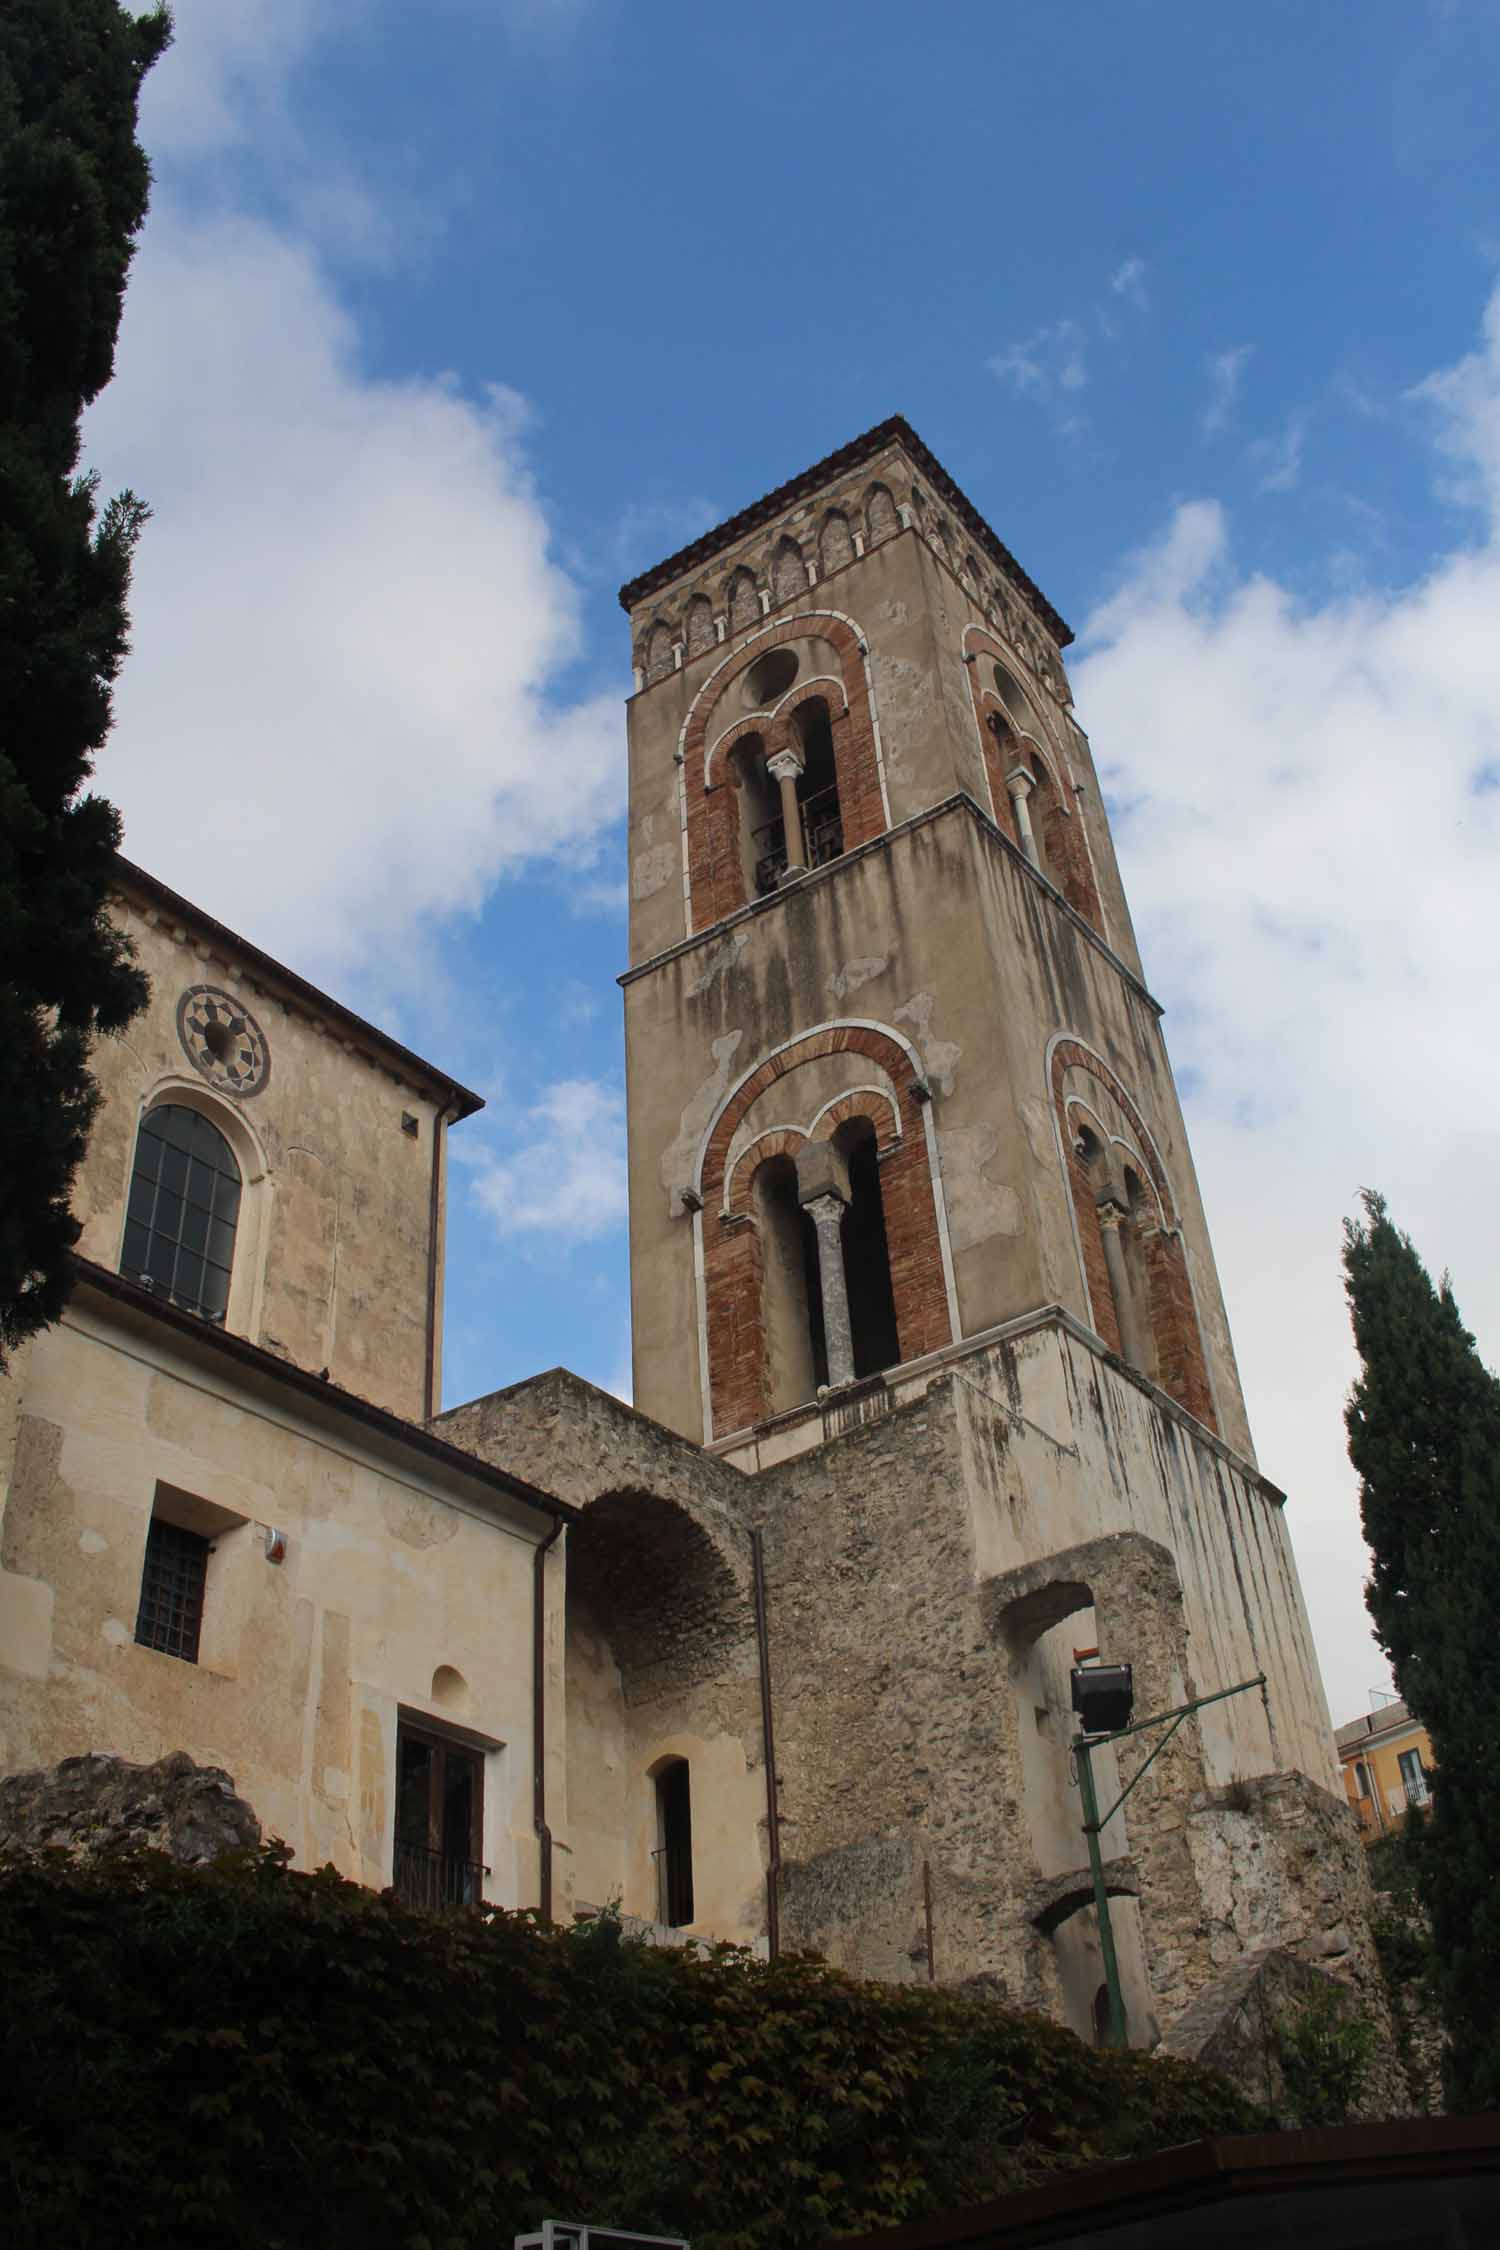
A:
x,y
184,1207
171,1611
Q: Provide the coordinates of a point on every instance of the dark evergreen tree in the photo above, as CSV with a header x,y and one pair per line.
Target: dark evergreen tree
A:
x,y
1424,1435
73,189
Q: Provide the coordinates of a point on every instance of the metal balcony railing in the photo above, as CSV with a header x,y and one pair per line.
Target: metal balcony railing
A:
x,y
423,1877
822,840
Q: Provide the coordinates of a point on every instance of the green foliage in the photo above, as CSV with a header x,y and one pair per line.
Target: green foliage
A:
x,y
264,2059
73,188
1325,2052
1424,1435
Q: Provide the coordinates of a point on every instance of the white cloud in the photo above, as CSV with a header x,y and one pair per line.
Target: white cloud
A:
x,y
1129,281
335,725
1278,460
565,1179
223,77
1225,370
1048,362
1310,837
1467,402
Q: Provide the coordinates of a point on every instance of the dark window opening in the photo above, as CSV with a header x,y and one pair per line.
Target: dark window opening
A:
x,y
813,1283
817,786
674,1854
867,1258
1100,2014
439,1821
183,1211
170,1617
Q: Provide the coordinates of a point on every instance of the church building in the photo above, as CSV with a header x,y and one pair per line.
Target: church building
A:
x,y
934,1383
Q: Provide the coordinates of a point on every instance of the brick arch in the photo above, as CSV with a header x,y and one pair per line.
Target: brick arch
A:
x,y
1182,1370
881,1108
716,874
1063,837
739,1178
911,1193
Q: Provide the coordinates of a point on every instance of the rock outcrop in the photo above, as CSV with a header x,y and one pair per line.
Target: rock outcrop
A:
x,y
99,1803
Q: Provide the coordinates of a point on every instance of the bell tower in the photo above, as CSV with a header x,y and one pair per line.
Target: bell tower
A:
x,y
896,1083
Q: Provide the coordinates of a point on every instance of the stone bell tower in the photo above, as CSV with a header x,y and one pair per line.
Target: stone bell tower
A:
x,y
895,1079
916,1243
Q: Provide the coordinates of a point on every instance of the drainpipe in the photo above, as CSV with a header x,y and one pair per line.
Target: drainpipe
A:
x,y
539,1715
768,1742
434,1224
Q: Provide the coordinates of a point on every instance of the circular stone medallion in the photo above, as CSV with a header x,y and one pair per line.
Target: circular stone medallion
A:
x,y
223,1040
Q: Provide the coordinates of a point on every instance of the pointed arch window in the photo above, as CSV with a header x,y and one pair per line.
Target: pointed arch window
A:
x,y
183,1211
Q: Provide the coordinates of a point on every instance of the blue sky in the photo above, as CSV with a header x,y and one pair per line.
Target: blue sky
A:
x,y
447,319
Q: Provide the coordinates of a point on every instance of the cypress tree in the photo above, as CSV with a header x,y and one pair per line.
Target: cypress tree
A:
x,y
1424,1436
73,189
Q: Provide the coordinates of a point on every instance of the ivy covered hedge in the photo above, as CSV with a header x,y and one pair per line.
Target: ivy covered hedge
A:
x,y
246,2056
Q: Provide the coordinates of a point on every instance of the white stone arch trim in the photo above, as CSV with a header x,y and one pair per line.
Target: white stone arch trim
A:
x,y
1062,1157
1060,760
799,691
934,1170
881,1093
247,1275
1109,1138
771,625
742,1155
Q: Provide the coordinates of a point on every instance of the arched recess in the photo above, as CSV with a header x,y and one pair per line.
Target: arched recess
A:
x,y
700,625
1144,1216
1015,740
835,542
742,602
247,1275
733,1304
788,573
661,1669
881,518
1042,1613
659,657
716,813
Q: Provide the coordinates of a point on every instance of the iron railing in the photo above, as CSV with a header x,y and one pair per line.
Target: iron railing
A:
x,y
822,840
423,1877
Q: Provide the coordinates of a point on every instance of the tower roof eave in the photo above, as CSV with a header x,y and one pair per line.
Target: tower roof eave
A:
x,y
895,430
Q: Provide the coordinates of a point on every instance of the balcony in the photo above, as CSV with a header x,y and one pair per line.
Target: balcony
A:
x,y
423,1877
822,840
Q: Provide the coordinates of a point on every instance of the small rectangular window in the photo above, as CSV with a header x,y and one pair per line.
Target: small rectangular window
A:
x,y
171,1612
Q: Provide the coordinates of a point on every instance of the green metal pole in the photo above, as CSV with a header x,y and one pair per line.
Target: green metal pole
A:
x,y
1115,2032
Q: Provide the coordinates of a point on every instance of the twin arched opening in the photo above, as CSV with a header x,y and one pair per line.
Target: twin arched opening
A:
x,y
780,767
823,1258
1129,1235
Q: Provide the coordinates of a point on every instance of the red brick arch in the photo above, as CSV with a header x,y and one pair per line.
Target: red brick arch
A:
x,y
1059,817
1181,1369
781,1140
733,1278
716,876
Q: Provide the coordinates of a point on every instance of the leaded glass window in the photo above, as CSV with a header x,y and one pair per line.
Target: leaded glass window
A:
x,y
184,1207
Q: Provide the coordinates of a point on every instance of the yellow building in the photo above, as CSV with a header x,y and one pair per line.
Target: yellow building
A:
x,y
1387,1764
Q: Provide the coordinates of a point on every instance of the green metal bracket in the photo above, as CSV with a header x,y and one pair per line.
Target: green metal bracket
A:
x,y
1094,1823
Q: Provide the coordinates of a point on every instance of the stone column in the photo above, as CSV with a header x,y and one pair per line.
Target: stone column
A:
x,y
1020,784
827,1215
1114,1212
787,768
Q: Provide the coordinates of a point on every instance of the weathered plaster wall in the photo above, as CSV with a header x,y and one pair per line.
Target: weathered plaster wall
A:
x,y
331,1256
661,1653
391,1571
943,936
